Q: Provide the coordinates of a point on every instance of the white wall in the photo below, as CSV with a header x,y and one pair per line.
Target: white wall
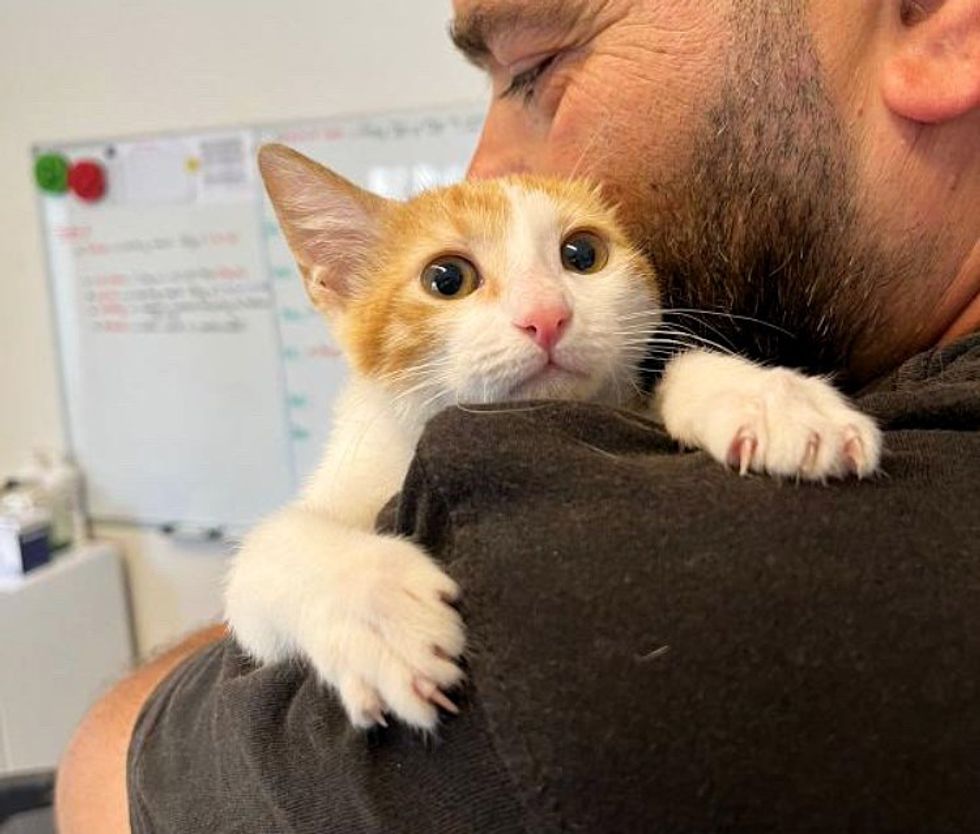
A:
x,y
77,69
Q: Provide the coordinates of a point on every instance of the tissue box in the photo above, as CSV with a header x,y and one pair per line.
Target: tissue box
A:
x,y
24,542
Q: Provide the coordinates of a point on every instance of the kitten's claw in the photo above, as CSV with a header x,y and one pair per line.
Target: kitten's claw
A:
x,y
440,699
811,453
742,450
427,690
361,701
854,455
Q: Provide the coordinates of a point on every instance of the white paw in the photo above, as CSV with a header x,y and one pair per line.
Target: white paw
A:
x,y
385,635
770,420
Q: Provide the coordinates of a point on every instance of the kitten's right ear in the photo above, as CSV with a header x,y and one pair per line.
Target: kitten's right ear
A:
x,y
331,225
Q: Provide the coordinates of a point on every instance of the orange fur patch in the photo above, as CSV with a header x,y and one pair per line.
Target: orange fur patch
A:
x,y
394,324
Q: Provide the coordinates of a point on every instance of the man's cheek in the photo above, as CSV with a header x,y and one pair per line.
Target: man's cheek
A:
x,y
585,128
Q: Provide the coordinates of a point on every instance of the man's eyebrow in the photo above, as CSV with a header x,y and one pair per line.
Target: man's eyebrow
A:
x,y
474,32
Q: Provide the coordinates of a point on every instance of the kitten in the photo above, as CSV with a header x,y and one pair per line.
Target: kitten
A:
x,y
514,289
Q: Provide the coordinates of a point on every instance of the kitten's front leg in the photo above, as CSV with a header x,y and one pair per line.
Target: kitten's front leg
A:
x,y
760,419
370,612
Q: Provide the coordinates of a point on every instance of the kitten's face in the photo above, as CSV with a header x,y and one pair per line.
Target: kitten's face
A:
x,y
482,292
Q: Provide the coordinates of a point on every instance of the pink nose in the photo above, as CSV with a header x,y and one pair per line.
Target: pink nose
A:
x,y
546,325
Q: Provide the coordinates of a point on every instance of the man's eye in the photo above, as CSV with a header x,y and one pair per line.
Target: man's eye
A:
x,y
523,83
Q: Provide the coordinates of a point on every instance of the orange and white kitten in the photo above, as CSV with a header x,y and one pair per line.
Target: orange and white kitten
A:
x,y
513,289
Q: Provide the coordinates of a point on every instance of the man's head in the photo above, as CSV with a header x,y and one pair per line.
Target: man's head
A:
x,y
812,165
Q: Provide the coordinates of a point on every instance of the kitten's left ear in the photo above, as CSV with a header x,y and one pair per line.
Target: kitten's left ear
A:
x,y
331,225
933,72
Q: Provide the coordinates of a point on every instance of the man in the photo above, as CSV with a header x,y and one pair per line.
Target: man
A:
x,y
813,168
739,137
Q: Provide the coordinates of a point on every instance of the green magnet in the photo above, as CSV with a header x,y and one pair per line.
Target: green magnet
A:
x,y
51,173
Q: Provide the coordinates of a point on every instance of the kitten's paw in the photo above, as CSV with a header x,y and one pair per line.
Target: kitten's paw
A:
x,y
387,637
770,420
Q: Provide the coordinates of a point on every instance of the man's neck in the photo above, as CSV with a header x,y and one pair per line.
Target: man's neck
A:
x,y
967,319
957,314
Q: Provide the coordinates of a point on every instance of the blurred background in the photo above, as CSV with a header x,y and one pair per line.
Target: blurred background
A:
x,y
79,70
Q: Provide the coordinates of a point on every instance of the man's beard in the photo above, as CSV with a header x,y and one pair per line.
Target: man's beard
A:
x,y
765,225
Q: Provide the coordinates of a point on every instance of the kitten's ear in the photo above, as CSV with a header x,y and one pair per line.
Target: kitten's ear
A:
x,y
331,225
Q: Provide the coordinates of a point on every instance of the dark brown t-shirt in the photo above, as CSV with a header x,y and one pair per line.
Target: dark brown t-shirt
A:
x,y
656,644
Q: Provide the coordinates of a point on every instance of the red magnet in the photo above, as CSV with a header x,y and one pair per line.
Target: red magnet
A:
x,y
86,178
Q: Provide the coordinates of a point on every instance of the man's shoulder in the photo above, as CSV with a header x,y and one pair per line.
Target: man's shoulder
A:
x,y
934,390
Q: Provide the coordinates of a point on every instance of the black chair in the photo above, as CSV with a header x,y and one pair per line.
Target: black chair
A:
x,y
26,803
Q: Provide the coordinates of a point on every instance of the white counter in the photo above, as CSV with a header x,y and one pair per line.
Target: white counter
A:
x,y
65,637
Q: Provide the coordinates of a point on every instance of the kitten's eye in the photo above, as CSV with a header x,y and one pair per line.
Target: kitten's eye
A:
x,y
450,277
584,252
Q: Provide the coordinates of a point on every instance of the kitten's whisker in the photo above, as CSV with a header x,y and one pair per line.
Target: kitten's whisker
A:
x,y
692,339
421,386
414,370
691,345
648,329
689,337
425,406
670,340
707,344
660,337
721,335
693,312
653,335
587,150
686,329
482,409
655,324
651,332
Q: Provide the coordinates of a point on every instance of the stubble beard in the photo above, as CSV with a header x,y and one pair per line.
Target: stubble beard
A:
x,y
765,224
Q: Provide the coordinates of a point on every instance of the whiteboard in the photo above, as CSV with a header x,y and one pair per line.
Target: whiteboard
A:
x,y
198,381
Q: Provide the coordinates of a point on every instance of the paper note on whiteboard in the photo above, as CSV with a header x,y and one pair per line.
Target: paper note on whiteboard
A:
x,y
156,173
173,171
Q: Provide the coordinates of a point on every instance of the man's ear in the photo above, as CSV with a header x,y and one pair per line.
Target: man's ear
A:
x,y
933,73
331,225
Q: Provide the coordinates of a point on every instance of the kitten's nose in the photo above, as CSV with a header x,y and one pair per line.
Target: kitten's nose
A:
x,y
546,325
